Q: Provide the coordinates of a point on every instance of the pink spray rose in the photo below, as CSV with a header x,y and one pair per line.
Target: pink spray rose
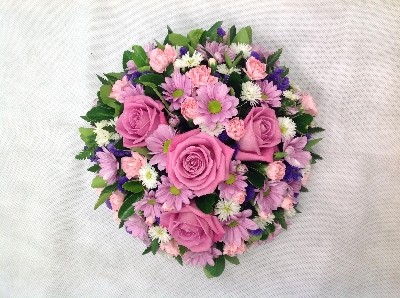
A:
x,y
308,104
235,128
171,248
131,165
141,116
262,134
189,108
192,228
201,76
160,59
232,249
287,203
276,170
198,161
255,69
116,200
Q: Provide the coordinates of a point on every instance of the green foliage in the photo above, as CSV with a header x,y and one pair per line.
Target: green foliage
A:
x,y
206,203
94,168
154,246
178,40
244,35
113,76
133,186
312,143
315,129
273,58
255,178
98,182
235,81
302,122
105,194
315,157
105,91
217,269
194,36
88,136
233,260
179,260
279,155
280,217
128,55
231,35
156,79
256,166
121,224
147,250
303,189
127,208
84,154
103,80
139,56
100,112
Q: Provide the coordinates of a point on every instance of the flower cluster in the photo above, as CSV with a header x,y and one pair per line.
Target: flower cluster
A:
x,y
201,145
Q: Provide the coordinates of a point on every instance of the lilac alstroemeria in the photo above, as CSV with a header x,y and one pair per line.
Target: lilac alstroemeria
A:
x,y
236,229
271,195
295,155
109,166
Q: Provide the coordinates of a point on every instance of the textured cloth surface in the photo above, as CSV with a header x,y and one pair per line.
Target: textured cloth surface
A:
x,y
344,244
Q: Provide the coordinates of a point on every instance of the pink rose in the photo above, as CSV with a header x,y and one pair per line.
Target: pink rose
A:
x,y
116,200
255,69
192,228
262,134
308,104
235,128
189,108
159,59
140,118
287,203
201,75
132,165
276,170
198,161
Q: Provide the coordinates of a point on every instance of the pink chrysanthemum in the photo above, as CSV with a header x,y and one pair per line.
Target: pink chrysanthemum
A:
x,y
177,88
271,196
171,196
201,258
236,229
136,226
124,88
150,207
158,143
296,156
108,164
217,51
234,184
215,106
270,95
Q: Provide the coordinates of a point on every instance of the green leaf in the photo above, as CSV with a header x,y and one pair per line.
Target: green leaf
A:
x,y
243,36
114,76
99,182
231,35
302,122
133,186
121,224
159,45
315,157
237,60
84,154
235,81
194,36
125,58
303,189
315,129
142,151
273,58
105,91
212,32
280,218
257,166
279,155
182,249
179,259
105,194
127,208
94,168
144,68
139,56
100,112
88,136
102,80
206,203
217,269
147,250
228,60
233,260
270,228
110,128
255,178
156,79
311,143
249,33
178,40
285,71
154,245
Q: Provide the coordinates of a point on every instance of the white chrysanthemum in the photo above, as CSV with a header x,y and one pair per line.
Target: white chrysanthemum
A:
x,y
103,136
290,95
226,208
251,92
219,128
287,126
241,47
291,212
148,176
159,233
263,222
189,61
222,68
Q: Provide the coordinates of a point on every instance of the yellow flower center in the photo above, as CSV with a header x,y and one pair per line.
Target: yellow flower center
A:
x,y
177,93
175,191
264,96
214,106
149,175
166,145
231,179
151,201
233,224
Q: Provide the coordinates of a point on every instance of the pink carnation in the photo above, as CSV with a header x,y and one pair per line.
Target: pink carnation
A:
x,y
308,104
235,128
232,249
189,108
124,88
201,76
276,170
160,59
255,69
116,200
171,248
287,203
131,165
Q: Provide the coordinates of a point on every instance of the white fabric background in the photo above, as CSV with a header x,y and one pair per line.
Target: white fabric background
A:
x,y
344,244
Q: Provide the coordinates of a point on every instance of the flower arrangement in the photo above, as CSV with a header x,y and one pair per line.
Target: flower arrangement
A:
x,y
201,145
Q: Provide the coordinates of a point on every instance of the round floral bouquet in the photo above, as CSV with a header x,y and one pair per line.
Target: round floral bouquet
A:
x,y
201,145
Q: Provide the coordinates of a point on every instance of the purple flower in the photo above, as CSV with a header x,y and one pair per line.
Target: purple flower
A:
x,y
117,152
221,32
250,192
201,258
292,173
234,184
216,50
256,55
215,106
150,207
271,195
282,83
121,181
183,51
295,154
270,95
236,229
171,196
94,157
158,144
136,226
108,164
177,88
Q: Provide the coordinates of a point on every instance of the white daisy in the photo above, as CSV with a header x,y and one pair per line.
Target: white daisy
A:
x,y
148,176
290,95
219,128
103,136
226,208
287,126
222,68
159,233
263,222
251,92
291,212
241,47
189,61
